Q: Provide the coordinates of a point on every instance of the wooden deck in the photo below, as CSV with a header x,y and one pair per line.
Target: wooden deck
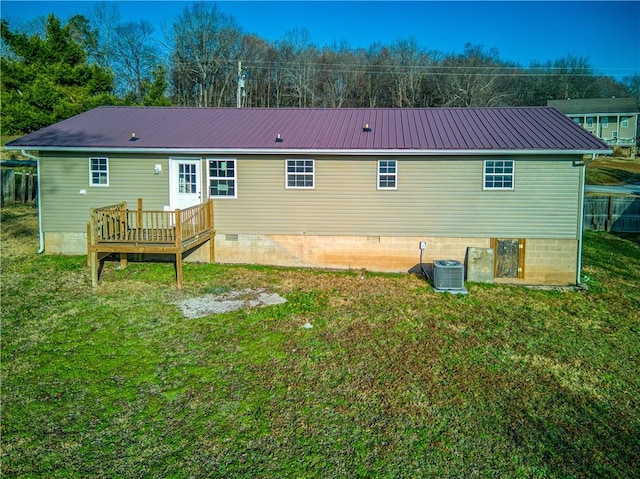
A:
x,y
116,229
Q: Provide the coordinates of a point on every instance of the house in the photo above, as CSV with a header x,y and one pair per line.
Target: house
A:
x,y
613,120
336,188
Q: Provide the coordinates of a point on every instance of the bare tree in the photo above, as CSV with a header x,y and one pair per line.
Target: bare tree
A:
x,y
205,46
473,78
137,57
338,73
407,63
299,58
105,19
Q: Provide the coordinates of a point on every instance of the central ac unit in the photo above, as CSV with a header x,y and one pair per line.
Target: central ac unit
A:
x,y
448,275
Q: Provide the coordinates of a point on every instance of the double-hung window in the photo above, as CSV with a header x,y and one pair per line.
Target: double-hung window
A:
x,y
498,175
222,179
387,174
99,171
300,174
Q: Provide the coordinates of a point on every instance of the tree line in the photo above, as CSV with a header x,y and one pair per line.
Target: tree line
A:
x,y
205,59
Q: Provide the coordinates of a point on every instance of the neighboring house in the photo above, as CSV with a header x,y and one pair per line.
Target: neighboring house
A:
x,y
335,188
613,120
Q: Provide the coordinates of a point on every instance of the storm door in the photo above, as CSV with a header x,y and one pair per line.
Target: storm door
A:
x,y
185,183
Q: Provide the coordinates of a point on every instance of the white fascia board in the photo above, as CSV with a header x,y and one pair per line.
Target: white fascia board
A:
x,y
311,152
604,113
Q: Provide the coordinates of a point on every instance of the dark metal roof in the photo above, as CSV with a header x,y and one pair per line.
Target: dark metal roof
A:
x,y
219,129
596,105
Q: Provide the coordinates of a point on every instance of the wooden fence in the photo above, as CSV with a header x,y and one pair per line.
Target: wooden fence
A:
x,y
18,187
612,213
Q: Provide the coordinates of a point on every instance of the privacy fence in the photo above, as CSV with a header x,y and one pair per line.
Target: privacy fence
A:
x,y
619,214
18,187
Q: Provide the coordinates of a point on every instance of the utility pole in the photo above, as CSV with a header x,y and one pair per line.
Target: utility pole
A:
x,y
240,86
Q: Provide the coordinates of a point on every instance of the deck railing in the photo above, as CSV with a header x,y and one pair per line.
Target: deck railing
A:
x,y
117,224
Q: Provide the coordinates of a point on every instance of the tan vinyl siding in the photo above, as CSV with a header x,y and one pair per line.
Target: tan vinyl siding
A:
x,y
435,197
62,178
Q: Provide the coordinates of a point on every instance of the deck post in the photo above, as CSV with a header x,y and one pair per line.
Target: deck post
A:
x,y
89,240
92,254
95,268
212,253
139,215
139,226
123,221
177,245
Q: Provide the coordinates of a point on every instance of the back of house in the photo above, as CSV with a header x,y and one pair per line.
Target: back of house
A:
x,y
332,188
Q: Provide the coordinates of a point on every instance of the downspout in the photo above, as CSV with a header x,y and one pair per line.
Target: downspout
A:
x,y
38,179
581,217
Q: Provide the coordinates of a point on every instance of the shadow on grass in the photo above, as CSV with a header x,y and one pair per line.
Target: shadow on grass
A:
x,y
578,435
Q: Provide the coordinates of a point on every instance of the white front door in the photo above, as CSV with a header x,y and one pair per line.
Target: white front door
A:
x,y
185,183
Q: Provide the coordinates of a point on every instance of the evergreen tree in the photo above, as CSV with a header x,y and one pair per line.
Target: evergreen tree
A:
x,y
47,79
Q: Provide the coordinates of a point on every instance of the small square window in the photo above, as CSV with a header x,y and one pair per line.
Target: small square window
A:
x,y
498,174
387,174
98,172
300,174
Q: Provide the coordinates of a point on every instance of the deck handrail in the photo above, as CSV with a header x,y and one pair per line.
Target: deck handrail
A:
x,y
117,224
108,222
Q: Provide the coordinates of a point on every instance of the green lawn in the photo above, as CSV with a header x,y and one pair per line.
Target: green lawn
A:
x,y
393,380
613,171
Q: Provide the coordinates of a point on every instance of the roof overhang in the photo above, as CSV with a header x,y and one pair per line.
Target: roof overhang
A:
x,y
314,152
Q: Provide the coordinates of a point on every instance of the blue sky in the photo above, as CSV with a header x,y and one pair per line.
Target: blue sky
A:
x,y
606,33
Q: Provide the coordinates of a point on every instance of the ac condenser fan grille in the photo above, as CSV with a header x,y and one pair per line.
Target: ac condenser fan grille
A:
x,y
448,275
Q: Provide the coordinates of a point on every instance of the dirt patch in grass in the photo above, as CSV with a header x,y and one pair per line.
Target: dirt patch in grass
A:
x,y
230,301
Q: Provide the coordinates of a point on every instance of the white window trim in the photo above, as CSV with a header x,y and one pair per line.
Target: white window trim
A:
x,y
605,122
234,178
624,123
286,174
91,170
513,176
395,175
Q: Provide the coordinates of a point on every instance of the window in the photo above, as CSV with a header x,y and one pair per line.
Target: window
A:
x,y
222,178
387,175
498,174
589,122
98,172
187,182
625,122
300,174
605,122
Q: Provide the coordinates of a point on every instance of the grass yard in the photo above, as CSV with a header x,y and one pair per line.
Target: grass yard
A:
x,y
392,381
613,171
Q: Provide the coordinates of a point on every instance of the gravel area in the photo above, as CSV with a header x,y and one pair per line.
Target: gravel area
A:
x,y
231,301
